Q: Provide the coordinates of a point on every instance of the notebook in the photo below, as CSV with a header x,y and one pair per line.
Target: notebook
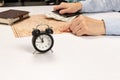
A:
x,y
11,16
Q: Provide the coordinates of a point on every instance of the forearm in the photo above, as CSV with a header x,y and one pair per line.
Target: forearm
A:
x,y
100,5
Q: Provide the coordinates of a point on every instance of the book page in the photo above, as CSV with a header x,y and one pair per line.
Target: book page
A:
x,y
25,27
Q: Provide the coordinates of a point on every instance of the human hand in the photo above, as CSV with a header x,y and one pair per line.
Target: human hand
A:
x,y
68,7
83,25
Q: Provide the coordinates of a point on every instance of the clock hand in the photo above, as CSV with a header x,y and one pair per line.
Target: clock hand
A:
x,y
41,39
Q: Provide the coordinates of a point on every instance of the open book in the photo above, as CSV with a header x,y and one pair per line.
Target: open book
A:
x,y
11,16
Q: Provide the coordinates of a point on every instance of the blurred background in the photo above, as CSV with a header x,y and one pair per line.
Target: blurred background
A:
x,y
8,3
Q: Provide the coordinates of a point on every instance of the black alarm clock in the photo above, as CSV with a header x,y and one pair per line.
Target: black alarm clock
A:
x,y
42,40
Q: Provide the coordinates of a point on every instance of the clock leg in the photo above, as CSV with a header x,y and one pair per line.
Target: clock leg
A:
x,y
51,51
34,52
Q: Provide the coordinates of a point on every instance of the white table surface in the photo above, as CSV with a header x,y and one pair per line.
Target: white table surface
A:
x,y
74,58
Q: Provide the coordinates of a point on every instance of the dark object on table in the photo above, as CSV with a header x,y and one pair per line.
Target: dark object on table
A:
x,y
11,16
67,14
53,2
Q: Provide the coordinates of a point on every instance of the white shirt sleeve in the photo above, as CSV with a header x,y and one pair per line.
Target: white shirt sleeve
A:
x,y
112,25
100,5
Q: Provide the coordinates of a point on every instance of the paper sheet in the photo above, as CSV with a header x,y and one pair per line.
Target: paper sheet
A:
x,y
25,27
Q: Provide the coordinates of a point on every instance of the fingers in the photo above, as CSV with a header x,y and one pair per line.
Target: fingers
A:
x,y
61,6
79,30
65,28
76,29
58,7
63,11
75,22
68,7
77,26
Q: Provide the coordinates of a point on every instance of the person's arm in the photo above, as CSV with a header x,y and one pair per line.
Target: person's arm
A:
x,y
83,25
100,5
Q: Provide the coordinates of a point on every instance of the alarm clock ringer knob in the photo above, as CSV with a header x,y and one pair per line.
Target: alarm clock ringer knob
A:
x,y
35,32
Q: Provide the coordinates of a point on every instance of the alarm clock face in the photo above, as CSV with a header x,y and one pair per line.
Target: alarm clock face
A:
x,y
43,42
